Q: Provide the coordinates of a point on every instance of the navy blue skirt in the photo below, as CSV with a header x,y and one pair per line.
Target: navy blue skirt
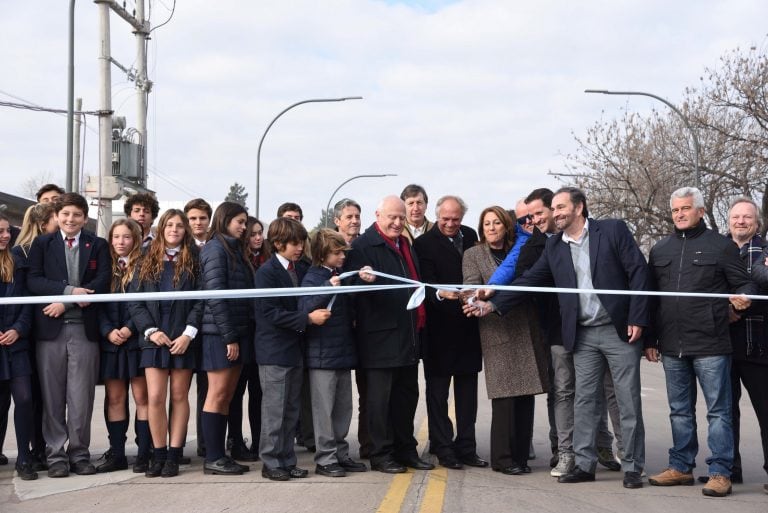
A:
x,y
124,363
14,364
214,354
161,358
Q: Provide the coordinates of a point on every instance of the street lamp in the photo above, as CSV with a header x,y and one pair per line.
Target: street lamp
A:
x,y
258,152
677,111
345,182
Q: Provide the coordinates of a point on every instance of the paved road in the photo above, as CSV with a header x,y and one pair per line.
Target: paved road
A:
x,y
462,491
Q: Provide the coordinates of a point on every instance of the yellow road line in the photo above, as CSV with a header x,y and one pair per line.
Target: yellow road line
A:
x,y
435,492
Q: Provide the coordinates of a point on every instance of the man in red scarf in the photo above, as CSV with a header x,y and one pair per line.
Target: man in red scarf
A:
x,y
388,341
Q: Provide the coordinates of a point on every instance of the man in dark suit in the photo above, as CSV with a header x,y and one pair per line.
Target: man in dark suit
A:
x,y
388,340
597,328
70,261
452,345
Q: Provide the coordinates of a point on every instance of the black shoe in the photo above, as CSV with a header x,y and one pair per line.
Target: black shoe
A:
x,y
512,470
155,468
736,478
170,469
310,448
351,465
331,470
474,461
25,471
58,469
184,460
141,464
553,461
112,463
38,465
296,472
201,451
389,467
576,476
415,463
222,466
450,461
633,480
275,474
241,452
83,468
3,459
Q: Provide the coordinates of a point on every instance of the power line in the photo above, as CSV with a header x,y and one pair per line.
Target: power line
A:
x,y
38,108
173,10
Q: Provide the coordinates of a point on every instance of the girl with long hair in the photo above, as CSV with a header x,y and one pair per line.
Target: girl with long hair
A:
x,y
166,330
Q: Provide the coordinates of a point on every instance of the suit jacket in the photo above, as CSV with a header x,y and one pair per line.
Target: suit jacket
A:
x,y
16,317
48,277
452,340
280,325
616,263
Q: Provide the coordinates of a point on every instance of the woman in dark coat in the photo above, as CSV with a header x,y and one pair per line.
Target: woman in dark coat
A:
x,y
513,357
166,331
227,328
15,365
120,354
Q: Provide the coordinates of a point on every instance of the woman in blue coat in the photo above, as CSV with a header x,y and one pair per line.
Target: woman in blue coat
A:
x,y
15,365
227,328
166,331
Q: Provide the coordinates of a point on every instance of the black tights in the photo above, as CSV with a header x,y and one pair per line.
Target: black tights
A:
x,y
21,392
249,378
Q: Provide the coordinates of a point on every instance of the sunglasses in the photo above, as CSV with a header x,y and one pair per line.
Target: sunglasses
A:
x,y
524,219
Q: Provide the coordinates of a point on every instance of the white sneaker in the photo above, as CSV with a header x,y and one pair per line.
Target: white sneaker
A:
x,y
564,465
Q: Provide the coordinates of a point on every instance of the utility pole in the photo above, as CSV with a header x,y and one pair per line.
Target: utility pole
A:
x,y
142,83
75,184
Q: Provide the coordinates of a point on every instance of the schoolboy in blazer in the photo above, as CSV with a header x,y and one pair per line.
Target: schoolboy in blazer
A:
x,y
69,261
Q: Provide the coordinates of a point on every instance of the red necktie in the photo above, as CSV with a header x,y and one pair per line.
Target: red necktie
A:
x,y
70,242
122,264
170,256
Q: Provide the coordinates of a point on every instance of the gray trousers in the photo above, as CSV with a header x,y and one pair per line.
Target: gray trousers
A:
x,y
68,367
331,391
596,348
280,403
563,385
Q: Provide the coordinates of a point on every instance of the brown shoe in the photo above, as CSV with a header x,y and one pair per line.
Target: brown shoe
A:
x,y
717,486
672,477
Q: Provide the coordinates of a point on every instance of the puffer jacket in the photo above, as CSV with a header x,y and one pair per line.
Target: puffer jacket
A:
x,y
332,345
696,260
231,319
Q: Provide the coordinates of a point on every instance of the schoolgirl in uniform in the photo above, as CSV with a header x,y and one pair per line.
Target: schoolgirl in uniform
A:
x,y
166,330
227,328
120,354
15,364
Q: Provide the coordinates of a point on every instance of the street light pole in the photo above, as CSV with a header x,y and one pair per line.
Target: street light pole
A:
x,y
258,151
677,111
70,98
345,182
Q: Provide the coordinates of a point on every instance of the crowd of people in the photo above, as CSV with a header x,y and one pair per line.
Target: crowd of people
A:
x,y
295,355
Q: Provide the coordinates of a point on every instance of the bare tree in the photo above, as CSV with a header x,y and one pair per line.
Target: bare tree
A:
x,y
30,186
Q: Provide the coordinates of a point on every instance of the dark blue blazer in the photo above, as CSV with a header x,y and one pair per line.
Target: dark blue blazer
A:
x,y
48,277
115,316
616,263
17,317
280,325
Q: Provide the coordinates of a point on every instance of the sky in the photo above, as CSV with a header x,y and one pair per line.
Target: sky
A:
x,y
478,98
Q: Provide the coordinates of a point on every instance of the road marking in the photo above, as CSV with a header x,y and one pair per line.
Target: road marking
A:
x,y
435,492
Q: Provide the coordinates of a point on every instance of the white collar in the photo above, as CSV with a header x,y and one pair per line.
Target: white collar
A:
x,y
584,231
283,261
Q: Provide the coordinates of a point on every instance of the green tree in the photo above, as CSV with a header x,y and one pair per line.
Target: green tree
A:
x,y
326,220
237,194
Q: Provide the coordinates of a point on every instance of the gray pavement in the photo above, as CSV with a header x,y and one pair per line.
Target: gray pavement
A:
x,y
469,490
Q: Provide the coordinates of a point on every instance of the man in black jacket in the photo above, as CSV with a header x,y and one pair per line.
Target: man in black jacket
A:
x,y
452,348
694,339
388,341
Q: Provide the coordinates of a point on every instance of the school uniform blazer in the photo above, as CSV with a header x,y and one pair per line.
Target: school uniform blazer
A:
x,y
616,263
48,276
280,325
113,317
17,317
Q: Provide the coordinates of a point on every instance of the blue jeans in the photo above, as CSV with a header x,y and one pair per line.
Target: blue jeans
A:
x,y
714,375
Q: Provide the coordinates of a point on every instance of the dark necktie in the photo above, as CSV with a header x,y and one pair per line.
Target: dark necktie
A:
x,y
292,274
122,264
458,243
70,242
170,256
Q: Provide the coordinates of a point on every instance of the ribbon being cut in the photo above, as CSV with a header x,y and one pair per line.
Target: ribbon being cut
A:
x,y
401,283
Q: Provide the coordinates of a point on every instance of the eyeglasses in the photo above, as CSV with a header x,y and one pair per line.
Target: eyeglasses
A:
x,y
522,221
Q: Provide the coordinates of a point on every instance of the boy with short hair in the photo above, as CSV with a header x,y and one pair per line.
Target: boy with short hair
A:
x,y
199,213
280,327
69,261
143,208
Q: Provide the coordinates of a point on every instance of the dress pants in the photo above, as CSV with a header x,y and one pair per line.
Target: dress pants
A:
x,y
755,379
68,367
363,437
441,441
280,403
596,348
511,429
331,391
393,394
